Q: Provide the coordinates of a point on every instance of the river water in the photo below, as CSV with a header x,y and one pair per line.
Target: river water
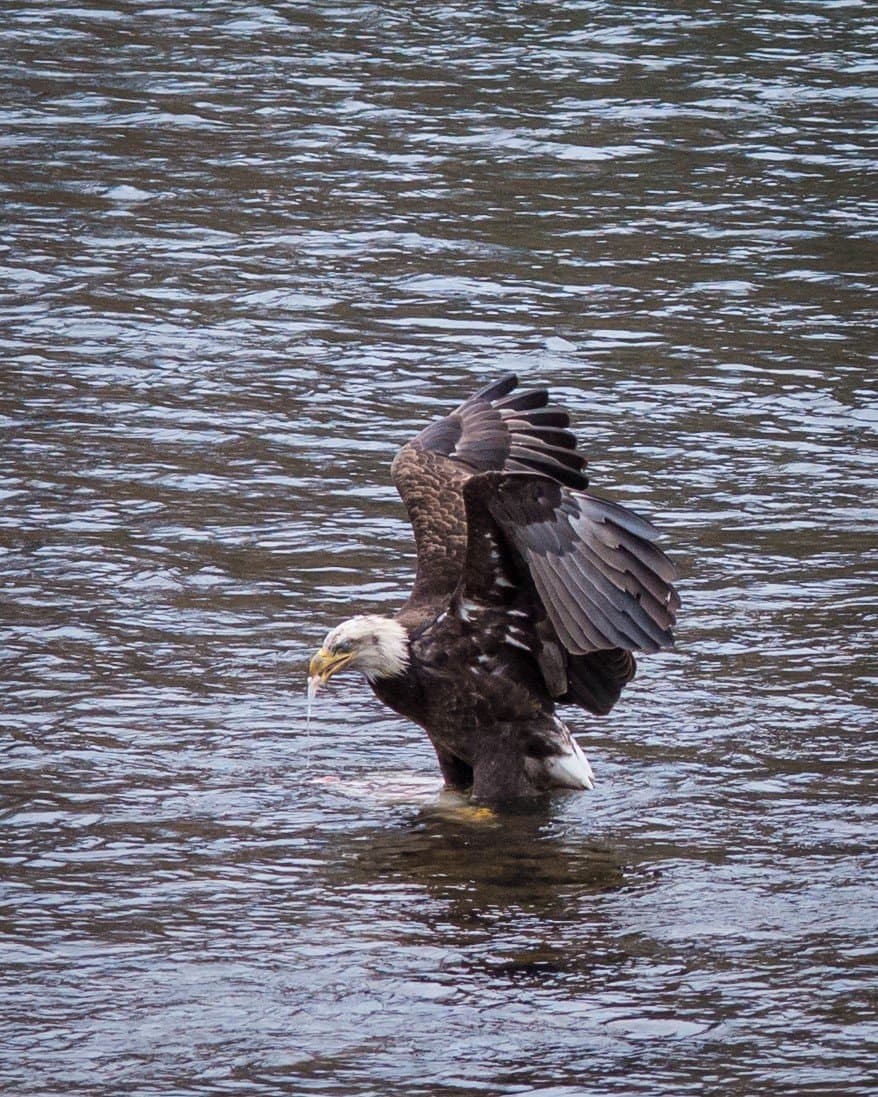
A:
x,y
247,251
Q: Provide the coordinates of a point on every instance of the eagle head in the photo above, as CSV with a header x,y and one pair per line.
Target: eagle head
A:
x,y
377,646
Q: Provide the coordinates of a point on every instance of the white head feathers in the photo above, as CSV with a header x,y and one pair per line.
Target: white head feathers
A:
x,y
379,646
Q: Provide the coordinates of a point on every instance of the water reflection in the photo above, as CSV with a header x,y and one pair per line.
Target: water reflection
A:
x,y
479,860
508,894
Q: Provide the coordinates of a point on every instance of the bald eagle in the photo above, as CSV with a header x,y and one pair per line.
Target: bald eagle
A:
x,y
529,592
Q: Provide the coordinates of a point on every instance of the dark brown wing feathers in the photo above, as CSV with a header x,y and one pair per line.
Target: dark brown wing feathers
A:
x,y
603,582
432,489
595,681
495,493
494,429
493,426
590,609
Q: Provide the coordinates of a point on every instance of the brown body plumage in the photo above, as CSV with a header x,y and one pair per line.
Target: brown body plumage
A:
x,y
529,591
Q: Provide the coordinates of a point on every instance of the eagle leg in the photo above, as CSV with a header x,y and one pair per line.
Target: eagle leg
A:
x,y
498,776
457,774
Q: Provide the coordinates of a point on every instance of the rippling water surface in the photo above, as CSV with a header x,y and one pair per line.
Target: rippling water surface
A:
x,y
246,251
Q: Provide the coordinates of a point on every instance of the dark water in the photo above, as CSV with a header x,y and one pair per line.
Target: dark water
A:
x,y
246,251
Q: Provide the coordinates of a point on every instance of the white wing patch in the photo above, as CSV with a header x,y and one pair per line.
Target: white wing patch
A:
x,y
514,638
467,609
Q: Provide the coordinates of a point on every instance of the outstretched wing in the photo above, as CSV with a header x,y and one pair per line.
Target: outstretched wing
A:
x,y
498,428
580,578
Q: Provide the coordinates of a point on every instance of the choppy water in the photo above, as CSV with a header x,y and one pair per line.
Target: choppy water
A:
x,y
246,251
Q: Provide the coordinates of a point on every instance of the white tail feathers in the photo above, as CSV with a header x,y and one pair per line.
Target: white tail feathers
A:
x,y
568,768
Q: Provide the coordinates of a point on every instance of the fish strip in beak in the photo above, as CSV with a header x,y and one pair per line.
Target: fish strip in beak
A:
x,y
323,665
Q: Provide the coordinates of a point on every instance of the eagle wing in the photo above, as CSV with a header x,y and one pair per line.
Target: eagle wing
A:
x,y
578,579
496,429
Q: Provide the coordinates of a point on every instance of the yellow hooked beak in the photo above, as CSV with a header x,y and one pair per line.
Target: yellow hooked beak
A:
x,y
326,663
